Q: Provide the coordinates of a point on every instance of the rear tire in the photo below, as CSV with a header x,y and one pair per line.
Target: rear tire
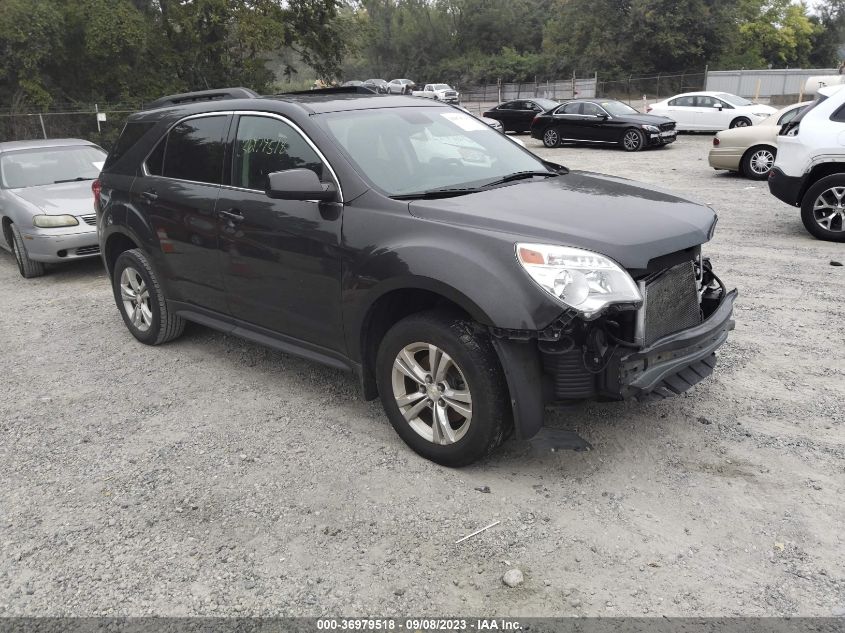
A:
x,y
740,121
551,138
823,209
27,267
432,369
758,162
141,301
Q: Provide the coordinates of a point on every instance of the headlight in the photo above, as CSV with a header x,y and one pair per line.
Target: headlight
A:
x,y
651,128
580,279
54,221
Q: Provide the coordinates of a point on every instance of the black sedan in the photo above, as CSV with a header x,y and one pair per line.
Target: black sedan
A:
x,y
516,116
602,122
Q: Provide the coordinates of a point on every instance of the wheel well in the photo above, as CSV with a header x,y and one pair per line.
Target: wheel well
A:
x,y
115,245
7,231
388,310
821,171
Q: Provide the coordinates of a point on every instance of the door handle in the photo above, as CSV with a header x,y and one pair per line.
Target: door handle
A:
x,y
232,215
150,195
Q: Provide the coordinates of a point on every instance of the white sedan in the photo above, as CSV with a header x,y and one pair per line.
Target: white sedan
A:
x,y
710,111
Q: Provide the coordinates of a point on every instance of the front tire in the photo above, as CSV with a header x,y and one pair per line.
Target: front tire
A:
x,y
27,267
758,162
633,140
141,301
740,122
823,209
442,387
551,137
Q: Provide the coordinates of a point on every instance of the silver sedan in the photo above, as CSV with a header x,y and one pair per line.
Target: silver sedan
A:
x,y
46,202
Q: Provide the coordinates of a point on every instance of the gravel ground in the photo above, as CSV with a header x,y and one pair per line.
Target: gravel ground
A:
x,y
211,476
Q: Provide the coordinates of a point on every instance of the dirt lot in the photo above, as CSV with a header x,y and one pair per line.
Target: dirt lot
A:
x,y
211,476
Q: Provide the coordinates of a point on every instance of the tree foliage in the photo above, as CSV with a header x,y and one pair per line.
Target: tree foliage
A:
x,y
56,51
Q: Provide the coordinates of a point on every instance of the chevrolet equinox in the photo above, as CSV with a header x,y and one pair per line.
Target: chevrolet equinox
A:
x,y
465,281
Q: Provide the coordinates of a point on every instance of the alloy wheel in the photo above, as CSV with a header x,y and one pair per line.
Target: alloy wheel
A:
x,y
632,140
829,209
136,299
761,161
741,123
432,393
551,138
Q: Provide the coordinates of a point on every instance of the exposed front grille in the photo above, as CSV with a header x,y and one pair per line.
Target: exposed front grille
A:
x,y
670,302
88,250
665,127
570,378
90,220
451,94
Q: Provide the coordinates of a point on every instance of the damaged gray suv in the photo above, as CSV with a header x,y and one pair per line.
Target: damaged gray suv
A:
x,y
465,281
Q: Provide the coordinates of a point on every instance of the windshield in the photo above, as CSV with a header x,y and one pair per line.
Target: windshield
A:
x,y
617,108
440,87
734,100
412,149
49,165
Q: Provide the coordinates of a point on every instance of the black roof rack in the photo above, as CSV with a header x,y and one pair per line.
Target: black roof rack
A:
x,y
202,95
339,90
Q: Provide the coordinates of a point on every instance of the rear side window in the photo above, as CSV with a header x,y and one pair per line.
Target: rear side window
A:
x,y
265,145
132,133
786,118
571,108
194,150
686,102
839,115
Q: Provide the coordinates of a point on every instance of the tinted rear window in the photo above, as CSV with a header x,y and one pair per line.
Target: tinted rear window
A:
x,y
195,150
132,133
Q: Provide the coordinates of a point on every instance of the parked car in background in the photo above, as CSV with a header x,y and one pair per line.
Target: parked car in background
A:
x,y
751,150
379,85
438,92
516,116
46,204
602,122
710,111
466,281
352,83
401,87
810,167
493,123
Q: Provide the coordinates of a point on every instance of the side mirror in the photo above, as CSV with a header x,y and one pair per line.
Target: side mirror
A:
x,y
603,116
717,105
299,184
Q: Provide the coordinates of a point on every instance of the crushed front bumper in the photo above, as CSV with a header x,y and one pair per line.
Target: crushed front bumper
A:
x,y
538,376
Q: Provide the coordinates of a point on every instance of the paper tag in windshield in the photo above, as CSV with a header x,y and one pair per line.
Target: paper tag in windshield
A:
x,y
464,121
98,165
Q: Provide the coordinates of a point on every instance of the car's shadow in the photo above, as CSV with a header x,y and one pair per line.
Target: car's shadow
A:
x,y
64,272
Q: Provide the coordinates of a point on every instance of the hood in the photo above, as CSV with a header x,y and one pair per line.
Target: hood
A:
x,y
72,198
628,221
646,119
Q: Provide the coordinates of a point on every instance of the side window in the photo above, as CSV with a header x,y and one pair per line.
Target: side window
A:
x,y
684,102
264,145
510,105
194,150
705,102
131,134
155,161
725,105
571,108
534,107
788,116
591,109
838,116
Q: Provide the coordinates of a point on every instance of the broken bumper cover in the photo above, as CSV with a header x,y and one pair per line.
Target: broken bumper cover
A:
x,y
669,366
678,361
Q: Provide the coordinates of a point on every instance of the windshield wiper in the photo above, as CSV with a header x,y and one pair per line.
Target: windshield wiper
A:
x,y
461,191
77,179
521,175
432,194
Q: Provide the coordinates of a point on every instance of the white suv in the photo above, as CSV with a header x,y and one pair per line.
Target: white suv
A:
x,y
810,167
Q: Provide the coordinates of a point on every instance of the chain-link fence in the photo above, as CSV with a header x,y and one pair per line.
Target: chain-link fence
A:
x,y
480,97
99,123
636,90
